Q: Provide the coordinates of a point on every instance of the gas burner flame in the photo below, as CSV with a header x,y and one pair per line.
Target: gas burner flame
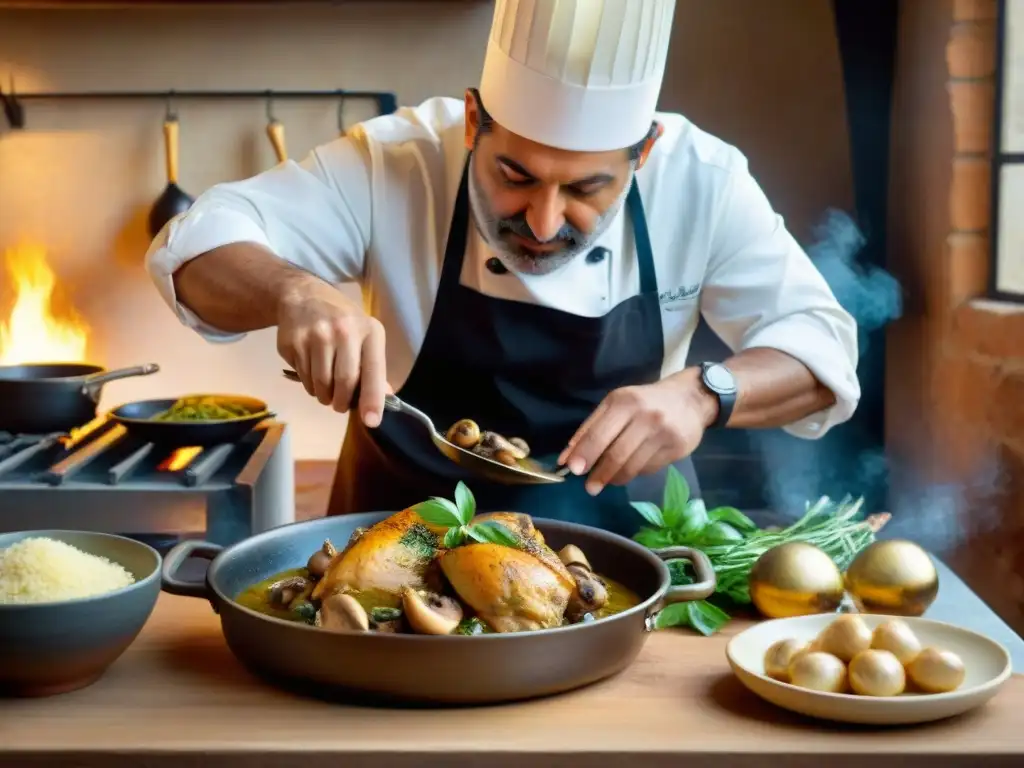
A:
x,y
33,332
179,459
79,434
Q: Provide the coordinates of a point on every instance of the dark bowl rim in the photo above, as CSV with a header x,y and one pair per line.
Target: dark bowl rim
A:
x,y
645,606
139,584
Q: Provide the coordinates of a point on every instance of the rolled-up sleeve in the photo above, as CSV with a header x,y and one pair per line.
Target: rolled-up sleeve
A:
x,y
314,214
762,290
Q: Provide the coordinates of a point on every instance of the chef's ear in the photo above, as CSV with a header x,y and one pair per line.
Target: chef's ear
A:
x,y
473,112
657,129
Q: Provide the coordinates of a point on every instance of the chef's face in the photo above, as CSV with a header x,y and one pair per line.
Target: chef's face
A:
x,y
536,206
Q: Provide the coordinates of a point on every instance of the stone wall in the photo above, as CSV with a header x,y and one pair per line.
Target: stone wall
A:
x,y
955,367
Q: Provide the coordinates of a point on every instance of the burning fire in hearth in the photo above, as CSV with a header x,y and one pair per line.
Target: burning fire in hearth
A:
x,y
33,332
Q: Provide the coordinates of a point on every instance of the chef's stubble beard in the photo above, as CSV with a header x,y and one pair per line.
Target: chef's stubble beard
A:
x,y
491,228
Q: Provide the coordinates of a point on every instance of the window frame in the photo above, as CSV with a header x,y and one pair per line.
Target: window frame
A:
x,y
1001,158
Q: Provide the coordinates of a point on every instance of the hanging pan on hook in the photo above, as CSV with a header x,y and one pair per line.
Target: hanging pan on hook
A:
x,y
173,200
275,132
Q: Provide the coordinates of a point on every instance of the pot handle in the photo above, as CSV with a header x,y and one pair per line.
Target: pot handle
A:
x,y
701,589
92,384
170,583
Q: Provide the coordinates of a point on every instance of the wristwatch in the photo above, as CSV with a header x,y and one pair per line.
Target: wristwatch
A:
x,y
720,382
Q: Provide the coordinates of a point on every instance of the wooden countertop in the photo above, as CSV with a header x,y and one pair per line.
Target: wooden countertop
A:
x,y
179,698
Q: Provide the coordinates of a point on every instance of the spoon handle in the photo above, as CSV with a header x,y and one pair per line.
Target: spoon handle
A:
x,y
394,403
391,402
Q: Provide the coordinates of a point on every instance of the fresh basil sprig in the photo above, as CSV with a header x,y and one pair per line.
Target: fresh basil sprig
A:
x,y
682,521
456,516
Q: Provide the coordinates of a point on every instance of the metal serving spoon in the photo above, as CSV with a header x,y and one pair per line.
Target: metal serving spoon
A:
x,y
528,471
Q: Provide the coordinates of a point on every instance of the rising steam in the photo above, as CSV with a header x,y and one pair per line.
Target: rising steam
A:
x,y
844,461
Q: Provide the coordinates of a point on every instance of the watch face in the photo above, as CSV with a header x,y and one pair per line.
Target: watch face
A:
x,y
719,378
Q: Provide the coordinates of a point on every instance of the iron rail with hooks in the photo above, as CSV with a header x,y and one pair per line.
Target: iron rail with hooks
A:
x,y
14,103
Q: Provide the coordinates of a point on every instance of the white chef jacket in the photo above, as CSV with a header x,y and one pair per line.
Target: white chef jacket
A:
x,y
374,207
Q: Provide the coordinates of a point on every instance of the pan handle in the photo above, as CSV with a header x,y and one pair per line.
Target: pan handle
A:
x,y
702,588
173,560
91,386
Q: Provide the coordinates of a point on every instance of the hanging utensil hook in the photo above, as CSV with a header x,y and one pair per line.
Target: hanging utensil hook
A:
x,y
270,107
171,115
13,109
341,114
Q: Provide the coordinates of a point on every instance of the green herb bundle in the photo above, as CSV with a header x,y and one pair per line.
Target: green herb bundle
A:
x,y
733,543
456,516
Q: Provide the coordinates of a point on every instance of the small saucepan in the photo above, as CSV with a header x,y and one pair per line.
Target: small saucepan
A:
x,y
46,398
143,420
424,669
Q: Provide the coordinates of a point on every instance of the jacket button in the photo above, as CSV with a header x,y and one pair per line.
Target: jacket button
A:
x,y
494,265
599,254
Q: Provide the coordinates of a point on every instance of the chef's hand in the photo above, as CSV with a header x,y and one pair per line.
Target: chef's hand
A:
x,y
640,430
334,347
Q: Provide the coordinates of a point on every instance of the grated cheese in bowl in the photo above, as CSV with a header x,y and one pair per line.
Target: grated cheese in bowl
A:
x,y
40,569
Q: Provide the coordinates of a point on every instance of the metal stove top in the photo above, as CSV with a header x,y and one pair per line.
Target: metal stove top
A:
x,y
98,477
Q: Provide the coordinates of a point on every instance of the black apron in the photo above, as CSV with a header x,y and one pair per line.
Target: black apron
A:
x,y
521,370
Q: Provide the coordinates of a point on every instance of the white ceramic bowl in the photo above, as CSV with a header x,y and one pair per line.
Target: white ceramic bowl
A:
x,y
987,664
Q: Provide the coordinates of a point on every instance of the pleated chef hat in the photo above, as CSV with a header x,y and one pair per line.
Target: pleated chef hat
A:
x,y
577,74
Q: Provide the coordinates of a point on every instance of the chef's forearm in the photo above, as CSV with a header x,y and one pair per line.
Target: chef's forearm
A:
x,y
775,390
239,287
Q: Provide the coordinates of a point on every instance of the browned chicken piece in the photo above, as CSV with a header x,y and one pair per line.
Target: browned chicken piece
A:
x,y
517,522
395,553
512,590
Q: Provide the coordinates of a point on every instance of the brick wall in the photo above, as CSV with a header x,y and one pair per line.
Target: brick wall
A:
x,y
955,368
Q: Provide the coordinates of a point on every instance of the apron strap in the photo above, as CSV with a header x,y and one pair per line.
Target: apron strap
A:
x,y
642,239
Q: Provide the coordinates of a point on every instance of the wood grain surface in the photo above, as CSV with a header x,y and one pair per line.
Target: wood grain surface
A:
x,y
178,697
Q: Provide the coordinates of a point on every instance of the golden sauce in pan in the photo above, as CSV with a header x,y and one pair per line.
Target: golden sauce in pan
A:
x,y
256,597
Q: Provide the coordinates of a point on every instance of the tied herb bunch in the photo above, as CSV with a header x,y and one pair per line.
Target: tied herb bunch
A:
x,y
456,516
733,543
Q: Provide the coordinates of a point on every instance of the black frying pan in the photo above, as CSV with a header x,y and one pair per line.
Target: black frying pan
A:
x,y
44,398
138,419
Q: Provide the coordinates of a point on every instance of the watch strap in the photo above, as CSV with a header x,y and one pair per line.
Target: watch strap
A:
x,y
726,398
726,403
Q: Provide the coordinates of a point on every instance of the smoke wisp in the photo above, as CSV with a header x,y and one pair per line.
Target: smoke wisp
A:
x,y
848,460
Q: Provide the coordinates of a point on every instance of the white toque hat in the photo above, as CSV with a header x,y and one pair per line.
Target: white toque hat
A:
x,y
577,74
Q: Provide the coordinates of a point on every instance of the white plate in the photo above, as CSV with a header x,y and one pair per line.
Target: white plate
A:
x,y
987,668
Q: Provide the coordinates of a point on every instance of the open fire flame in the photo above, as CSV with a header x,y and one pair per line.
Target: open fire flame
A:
x,y
33,333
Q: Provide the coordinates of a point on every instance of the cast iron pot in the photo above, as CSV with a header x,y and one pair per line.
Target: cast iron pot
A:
x,y
45,398
421,669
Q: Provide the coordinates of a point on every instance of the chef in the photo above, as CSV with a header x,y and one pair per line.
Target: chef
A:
x,y
536,258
